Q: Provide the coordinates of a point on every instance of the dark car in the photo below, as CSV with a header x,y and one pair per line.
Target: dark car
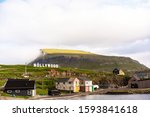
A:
x,y
53,92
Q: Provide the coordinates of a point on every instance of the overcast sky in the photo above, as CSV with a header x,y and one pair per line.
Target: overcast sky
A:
x,y
109,27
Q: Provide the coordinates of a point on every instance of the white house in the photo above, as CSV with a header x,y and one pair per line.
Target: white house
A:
x,y
68,84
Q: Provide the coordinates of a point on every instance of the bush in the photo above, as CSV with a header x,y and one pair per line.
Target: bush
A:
x,y
41,91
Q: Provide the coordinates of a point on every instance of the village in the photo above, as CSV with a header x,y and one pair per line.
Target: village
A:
x,y
69,84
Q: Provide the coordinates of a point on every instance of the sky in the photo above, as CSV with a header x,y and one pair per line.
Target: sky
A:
x,y
108,27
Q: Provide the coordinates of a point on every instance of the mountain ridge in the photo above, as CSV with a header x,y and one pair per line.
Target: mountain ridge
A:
x,y
86,60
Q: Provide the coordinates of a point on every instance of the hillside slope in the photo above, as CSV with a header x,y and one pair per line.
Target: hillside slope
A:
x,y
86,60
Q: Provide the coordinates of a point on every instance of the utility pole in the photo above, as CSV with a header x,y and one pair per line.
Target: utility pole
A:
x,y
25,69
0,95
42,84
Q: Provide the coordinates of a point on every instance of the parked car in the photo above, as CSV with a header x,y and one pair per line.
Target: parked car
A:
x,y
96,87
53,92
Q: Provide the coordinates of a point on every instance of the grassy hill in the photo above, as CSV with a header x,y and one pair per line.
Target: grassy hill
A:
x,y
86,60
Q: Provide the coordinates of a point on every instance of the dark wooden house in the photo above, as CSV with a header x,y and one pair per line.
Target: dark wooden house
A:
x,y
136,82
116,71
21,87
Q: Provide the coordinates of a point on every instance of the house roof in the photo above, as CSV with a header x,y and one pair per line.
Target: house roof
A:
x,y
134,78
143,74
63,79
144,71
84,79
71,79
116,71
19,84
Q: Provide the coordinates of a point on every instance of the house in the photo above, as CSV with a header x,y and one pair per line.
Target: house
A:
x,y
117,71
136,82
68,84
121,72
21,87
142,74
86,85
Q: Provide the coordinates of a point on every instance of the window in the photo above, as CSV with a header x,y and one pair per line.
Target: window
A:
x,y
28,92
17,91
69,82
9,91
70,88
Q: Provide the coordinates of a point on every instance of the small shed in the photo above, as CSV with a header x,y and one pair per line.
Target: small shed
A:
x,y
116,71
85,84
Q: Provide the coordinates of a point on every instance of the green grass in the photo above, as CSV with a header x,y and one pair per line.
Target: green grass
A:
x,y
41,91
8,95
64,51
43,85
2,82
5,94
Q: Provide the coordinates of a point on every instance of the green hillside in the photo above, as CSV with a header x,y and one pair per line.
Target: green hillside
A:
x,y
90,61
45,77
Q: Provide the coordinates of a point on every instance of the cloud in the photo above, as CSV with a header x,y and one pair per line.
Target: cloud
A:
x,y
126,2
138,50
142,57
28,25
138,46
